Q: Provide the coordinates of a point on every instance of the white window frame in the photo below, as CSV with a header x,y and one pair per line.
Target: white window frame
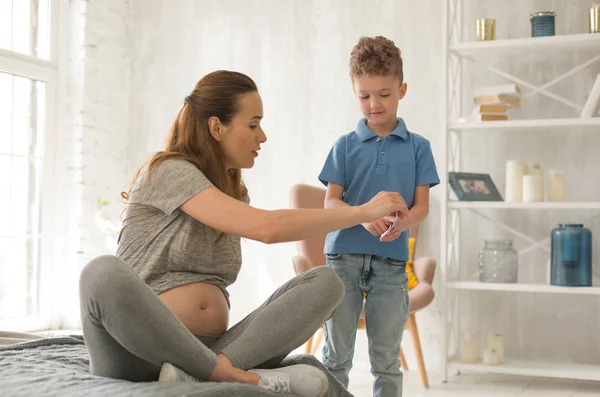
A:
x,y
47,71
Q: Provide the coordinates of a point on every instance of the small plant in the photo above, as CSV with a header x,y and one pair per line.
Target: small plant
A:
x,y
109,225
101,203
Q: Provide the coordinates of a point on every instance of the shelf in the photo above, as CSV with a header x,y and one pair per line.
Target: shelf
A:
x,y
534,368
544,205
516,287
529,45
519,125
515,61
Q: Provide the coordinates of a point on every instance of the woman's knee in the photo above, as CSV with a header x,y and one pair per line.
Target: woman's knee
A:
x,y
107,271
329,283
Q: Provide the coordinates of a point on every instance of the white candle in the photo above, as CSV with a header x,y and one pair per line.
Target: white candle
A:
x,y
490,357
495,343
470,347
556,185
515,170
533,168
533,188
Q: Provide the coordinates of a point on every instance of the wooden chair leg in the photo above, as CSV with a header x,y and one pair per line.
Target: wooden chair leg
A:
x,y
308,345
411,324
317,338
403,360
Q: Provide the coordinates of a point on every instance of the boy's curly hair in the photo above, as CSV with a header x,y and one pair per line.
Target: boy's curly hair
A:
x,y
377,56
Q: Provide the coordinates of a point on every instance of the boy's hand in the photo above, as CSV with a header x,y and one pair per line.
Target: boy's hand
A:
x,y
393,234
379,226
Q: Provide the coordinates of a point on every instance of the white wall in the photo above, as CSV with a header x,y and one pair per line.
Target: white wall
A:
x,y
91,142
297,51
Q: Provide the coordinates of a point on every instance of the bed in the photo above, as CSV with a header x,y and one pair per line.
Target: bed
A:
x,y
58,367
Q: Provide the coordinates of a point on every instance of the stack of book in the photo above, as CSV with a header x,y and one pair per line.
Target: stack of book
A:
x,y
493,103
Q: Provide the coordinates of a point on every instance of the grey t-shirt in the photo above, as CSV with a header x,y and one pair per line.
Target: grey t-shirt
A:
x,y
164,245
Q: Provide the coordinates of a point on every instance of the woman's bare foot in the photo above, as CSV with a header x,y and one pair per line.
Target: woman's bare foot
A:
x,y
226,372
303,380
300,379
223,372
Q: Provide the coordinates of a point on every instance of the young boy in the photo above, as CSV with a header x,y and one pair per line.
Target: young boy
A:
x,y
381,154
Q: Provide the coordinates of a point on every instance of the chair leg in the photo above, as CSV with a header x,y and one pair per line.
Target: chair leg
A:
x,y
414,333
403,360
308,345
316,340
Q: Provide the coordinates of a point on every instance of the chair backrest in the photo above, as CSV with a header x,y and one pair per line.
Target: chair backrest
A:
x,y
305,196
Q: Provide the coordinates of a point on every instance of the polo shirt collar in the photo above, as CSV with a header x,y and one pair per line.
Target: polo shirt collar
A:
x,y
364,133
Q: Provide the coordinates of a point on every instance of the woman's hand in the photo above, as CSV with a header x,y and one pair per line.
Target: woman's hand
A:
x,y
379,226
382,205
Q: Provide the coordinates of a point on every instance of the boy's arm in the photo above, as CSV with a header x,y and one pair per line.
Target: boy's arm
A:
x,y
333,196
416,214
426,178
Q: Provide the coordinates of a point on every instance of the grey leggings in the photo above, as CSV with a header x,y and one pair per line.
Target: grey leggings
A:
x,y
130,332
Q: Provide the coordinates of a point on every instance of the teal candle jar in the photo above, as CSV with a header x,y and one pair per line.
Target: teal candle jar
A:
x,y
571,256
543,24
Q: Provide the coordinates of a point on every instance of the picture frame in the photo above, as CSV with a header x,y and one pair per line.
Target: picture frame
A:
x,y
473,187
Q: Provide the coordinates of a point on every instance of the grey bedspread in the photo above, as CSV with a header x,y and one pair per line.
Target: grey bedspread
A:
x,y
58,367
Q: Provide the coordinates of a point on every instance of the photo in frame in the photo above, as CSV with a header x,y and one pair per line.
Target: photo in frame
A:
x,y
473,187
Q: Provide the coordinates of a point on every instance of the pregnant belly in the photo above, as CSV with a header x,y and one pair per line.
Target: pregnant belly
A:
x,y
201,307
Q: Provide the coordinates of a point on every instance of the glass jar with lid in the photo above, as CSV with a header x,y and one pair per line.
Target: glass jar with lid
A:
x,y
498,262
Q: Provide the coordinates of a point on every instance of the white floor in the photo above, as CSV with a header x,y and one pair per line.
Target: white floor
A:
x,y
477,385
466,385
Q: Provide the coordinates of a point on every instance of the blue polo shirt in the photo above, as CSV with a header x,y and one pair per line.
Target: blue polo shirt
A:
x,y
365,164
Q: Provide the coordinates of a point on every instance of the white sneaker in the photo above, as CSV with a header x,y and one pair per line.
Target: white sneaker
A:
x,y
301,379
170,373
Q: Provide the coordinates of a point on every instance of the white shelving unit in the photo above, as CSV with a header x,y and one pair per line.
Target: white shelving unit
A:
x,y
573,205
591,125
572,42
482,54
541,288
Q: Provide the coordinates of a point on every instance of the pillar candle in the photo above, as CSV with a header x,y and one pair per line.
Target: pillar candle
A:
x,y
556,185
515,170
495,343
470,347
533,168
533,188
490,357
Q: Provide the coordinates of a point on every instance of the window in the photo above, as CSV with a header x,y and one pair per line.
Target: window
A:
x,y
28,74
24,27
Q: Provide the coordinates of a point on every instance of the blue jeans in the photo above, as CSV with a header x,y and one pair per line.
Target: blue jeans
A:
x,y
385,282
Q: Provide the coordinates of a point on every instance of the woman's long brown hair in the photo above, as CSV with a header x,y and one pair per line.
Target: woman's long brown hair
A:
x,y
215,95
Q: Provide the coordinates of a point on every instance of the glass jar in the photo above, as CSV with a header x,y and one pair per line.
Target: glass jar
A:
x,y
498,262
571,256
542,24
595,18
486,29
